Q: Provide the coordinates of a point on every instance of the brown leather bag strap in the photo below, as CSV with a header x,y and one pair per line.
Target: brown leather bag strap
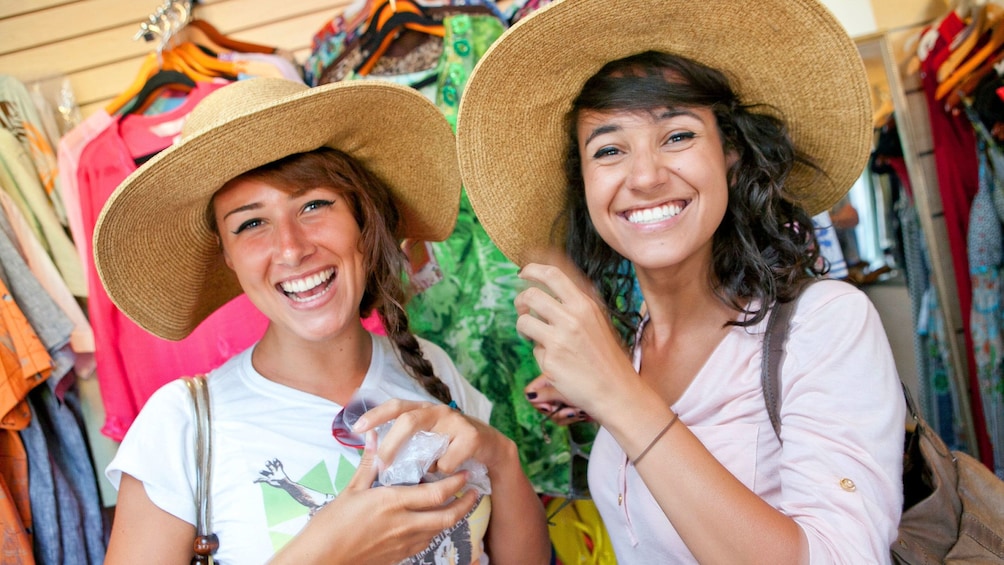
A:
x,y
774,340
206,543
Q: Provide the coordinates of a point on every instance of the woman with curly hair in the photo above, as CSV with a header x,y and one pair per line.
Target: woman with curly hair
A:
x,y
680,149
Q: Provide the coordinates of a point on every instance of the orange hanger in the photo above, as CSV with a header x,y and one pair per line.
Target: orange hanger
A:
x,y
203,33
969,84
387,19
994,43
174,61
150,66
204,62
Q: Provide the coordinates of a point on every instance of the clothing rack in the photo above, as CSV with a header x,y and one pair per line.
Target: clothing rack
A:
x,y
165,22
910,107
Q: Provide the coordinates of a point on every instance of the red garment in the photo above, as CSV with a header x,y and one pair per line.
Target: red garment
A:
x,y
131,363
958,181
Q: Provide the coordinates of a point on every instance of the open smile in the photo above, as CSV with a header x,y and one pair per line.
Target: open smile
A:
x,y
654,214
309,287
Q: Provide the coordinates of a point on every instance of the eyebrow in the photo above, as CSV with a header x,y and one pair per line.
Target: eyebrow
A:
x,y
245,208
669,113
257,205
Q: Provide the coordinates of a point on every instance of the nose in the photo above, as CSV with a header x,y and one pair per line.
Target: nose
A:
x,y
646,171
292,243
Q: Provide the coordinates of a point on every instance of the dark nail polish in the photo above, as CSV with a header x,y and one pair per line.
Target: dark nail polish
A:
x,y
531,395
582,413
570,414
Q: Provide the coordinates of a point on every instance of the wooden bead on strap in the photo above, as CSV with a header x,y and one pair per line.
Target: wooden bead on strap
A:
x,y
205,546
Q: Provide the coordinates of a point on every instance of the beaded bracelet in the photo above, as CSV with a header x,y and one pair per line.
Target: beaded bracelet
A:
x,y
658,436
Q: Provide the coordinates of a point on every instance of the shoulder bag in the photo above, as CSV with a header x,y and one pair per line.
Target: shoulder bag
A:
x,y
953,506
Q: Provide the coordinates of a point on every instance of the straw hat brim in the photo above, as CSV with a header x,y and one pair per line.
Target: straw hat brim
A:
x,y
791,54
153,247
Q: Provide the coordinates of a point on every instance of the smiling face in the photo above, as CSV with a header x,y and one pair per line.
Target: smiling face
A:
x,y
655,183
297,254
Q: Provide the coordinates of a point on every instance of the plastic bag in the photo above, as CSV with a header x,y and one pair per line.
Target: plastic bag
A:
x,y
412,462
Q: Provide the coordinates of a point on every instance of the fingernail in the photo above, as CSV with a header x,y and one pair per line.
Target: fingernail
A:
x,y
361,424
582,413
570,414
531,395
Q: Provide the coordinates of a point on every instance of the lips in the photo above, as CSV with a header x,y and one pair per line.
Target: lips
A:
x,y
306,288
653,214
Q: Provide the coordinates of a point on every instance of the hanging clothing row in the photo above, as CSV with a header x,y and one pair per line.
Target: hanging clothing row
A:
x,y
960,61
50,510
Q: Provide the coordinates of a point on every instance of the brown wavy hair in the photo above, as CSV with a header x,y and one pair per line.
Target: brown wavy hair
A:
x,y
378,219
765,247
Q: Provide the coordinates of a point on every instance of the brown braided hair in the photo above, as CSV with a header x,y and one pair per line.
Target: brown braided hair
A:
x,y
378,219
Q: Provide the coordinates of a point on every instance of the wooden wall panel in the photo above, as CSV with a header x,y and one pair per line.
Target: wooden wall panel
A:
x,y
14,7
92,41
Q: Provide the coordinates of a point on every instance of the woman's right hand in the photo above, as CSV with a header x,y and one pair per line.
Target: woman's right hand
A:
x,y
576,347
378,525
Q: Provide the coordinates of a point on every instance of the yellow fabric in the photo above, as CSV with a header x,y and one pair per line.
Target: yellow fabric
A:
x,y
577,533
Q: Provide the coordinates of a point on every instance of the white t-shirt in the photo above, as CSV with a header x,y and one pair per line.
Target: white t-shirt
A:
x,y
842,414
275,461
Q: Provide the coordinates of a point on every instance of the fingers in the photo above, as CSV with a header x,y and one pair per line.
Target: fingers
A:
x,y
386,412
435,418
566,415
559,275
366,472
548,401
543,396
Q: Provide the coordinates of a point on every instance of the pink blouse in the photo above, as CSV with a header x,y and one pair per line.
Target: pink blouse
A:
x,y
842,411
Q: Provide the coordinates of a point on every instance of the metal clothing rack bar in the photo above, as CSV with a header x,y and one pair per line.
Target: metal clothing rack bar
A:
x,y
165,22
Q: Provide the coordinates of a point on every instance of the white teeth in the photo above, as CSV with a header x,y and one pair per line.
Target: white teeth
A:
x,y
652,215
307,283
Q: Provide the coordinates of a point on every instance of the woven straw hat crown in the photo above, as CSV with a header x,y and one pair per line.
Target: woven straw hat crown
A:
x,y
155,252
792,55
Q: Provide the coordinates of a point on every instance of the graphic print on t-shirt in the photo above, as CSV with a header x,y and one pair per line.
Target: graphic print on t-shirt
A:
x,y
291,501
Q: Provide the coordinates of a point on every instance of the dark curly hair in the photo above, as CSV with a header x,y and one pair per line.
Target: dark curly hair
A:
x,y
378,219
765,247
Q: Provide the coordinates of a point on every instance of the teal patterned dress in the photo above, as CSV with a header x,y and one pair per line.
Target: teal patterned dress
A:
x,y
469,312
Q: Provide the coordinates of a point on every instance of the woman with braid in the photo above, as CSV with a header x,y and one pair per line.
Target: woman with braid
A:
x,y
299,197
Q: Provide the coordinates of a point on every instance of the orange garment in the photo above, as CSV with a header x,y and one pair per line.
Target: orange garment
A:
x,y
24,363
15,505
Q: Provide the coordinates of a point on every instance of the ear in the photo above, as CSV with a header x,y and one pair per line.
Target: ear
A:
x,y
731,157
226,256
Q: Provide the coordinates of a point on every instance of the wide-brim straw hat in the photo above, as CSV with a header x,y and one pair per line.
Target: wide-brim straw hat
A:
x,y
791,54
153,247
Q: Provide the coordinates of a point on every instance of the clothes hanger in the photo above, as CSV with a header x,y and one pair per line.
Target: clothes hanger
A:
x,y
993,64
155,85
995,42
203,33
147,69
930,35
965,42
388,19
204,63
